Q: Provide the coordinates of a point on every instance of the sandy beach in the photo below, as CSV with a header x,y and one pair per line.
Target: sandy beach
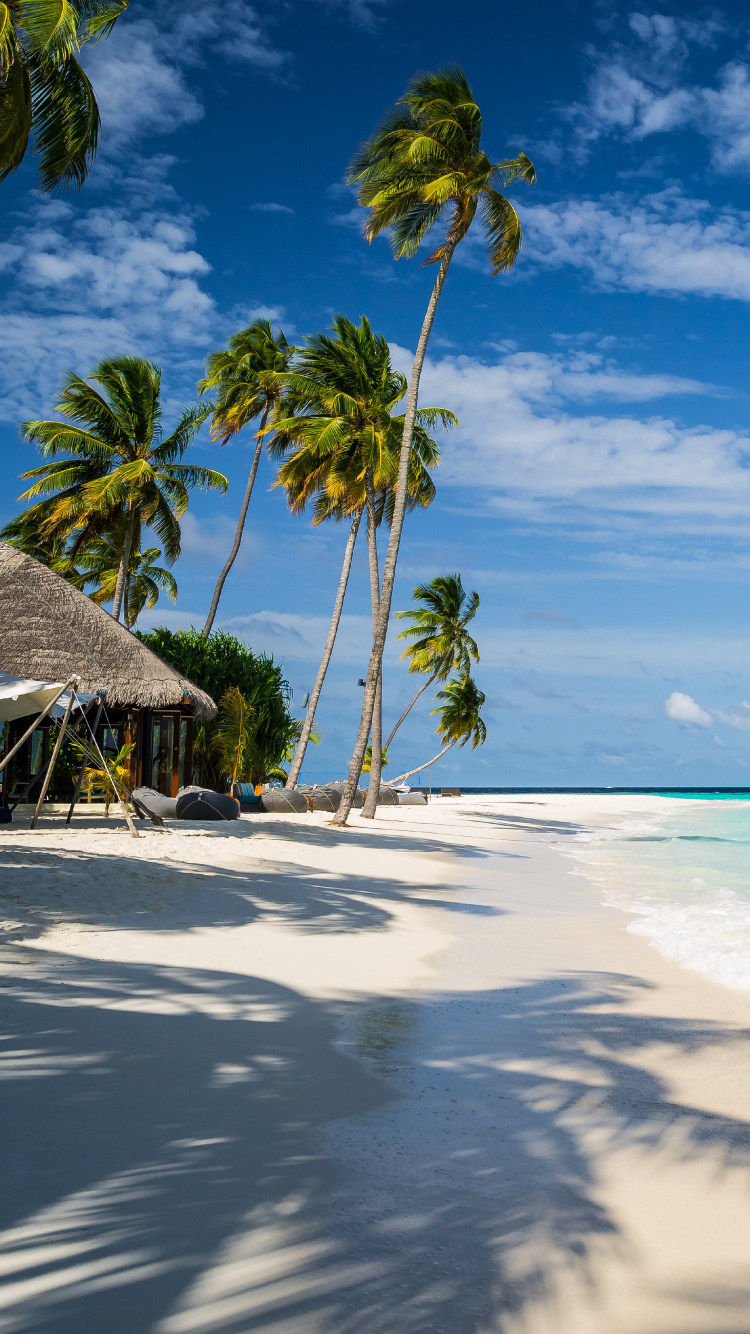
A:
x,y
272,1077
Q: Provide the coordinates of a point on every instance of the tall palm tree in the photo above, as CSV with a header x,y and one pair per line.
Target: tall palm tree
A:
x,y
423,166
340,443
441,642
117,462
460,720
245,374
45,95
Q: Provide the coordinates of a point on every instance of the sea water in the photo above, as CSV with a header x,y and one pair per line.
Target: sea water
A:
x,y
684,875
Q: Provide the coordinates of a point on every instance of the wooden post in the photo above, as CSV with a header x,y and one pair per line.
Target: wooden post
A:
x,y
80,777
53,760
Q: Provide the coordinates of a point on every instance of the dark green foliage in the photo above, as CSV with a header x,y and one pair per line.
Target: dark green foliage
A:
x,y
217,664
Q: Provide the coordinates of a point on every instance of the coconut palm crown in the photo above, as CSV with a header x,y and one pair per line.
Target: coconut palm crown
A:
x,y
425,164
340,423
45,96
440,641
117,461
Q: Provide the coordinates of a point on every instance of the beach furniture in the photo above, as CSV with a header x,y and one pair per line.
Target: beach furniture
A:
x,y
283,801
201,804
387,796
413,798
450,792
246,795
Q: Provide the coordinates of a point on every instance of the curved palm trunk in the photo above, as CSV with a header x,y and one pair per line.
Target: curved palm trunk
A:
x,y
127,547
410,706
389,572
240,525
299,753
376,763
434,760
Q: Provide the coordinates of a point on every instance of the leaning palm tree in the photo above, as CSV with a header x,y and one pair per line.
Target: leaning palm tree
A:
x,y
245,374
117,466
460,720
423,166
45,96
340,442
441,643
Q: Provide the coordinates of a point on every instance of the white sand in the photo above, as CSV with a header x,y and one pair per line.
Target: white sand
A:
x,y
276,1078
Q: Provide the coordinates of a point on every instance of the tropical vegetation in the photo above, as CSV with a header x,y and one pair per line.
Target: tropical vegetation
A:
x,y
255,724
440,642
118,474
343,426
459,717
339,441
46,99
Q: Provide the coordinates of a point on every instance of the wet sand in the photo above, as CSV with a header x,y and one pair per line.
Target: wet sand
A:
x,y
412,1077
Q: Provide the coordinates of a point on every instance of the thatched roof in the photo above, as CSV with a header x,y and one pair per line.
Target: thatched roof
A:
x,y
49,630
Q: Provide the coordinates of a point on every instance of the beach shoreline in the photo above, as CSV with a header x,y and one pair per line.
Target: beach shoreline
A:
x,y
435,1082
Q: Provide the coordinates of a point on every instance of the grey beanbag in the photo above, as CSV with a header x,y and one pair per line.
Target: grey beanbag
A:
x,y
205,805
325,798
412,798
280,800
387,796
359,796
155,803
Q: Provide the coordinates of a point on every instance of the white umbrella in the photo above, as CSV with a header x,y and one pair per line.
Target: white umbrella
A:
x,y
19,697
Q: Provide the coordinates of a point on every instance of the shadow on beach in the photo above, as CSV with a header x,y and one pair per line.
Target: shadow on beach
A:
x,y
196,1151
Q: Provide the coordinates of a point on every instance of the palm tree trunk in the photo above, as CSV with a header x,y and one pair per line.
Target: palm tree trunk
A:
x,y
299,754
434,760
122,573
389,572
376,762
240,524
410,706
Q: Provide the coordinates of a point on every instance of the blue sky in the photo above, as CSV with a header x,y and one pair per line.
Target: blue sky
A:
x,y
597,494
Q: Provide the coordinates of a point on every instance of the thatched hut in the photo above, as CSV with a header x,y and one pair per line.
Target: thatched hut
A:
x,y
49,630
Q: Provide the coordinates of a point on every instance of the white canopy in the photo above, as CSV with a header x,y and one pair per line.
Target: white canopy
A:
x,y
19,698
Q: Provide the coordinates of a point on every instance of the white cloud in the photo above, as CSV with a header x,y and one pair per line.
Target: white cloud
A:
x,y
739,721
639,88
662,243
84,284
683,709
519,448
270,208
137,90
140,74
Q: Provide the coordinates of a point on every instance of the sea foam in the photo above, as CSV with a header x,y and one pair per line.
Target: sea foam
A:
x,y
684,874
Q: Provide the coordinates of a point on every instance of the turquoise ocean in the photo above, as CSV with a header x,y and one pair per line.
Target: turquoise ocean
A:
x,y
683,874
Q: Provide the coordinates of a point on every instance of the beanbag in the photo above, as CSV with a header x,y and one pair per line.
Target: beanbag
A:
x,y
280,800
387,796
155,803
325,798
205,805
359,796
412,798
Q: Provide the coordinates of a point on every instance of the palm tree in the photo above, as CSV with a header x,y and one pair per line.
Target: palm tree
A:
x,y
246,377
44,92
424,166
340,441
98,567
460,720
118,466
441,643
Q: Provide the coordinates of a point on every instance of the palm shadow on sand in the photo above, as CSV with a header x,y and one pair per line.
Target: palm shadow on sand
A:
x,y
197,1151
